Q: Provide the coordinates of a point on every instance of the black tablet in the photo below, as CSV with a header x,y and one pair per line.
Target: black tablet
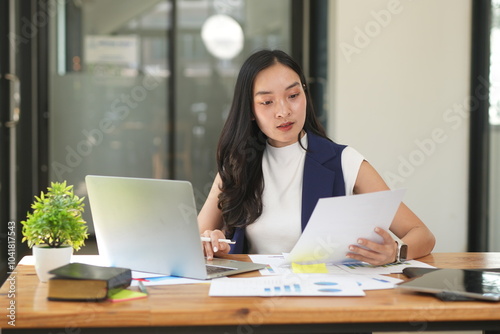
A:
x,y
457,284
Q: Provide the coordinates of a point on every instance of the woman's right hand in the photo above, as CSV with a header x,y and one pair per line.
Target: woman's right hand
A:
x,y
214,247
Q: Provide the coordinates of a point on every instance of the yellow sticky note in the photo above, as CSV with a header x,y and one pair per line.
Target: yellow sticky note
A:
x,y
316,268
126,295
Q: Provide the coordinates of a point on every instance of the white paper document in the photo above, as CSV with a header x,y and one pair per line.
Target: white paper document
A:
x,y
159,279
375,282
386,269
338,222
276,265
290,285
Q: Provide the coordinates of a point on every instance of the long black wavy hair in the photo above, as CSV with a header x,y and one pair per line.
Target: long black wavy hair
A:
x,y
242,143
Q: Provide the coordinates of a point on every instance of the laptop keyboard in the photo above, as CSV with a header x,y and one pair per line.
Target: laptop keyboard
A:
x,y
217,269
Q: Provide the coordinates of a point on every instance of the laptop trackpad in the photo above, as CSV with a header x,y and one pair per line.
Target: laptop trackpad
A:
x,y
211,269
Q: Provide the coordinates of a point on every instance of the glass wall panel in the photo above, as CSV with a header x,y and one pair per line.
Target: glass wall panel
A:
x,y
108,87
210,51
110,97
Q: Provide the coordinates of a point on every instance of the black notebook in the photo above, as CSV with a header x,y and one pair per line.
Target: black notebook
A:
x,y
85,282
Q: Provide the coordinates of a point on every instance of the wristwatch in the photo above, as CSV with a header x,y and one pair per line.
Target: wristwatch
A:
x,y
402,251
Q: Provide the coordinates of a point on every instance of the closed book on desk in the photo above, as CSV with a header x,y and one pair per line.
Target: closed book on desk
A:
x,y
85,282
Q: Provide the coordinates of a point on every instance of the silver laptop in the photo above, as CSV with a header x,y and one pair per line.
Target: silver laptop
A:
x,y
151,225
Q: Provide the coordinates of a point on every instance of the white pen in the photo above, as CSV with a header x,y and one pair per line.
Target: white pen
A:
x,y
227,241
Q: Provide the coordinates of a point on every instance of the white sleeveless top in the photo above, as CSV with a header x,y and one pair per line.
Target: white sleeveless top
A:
x,y
277,230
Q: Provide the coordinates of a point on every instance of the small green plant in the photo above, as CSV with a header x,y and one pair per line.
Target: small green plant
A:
x,y
56,220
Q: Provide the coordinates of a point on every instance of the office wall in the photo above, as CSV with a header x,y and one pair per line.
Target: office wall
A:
x,y
399,86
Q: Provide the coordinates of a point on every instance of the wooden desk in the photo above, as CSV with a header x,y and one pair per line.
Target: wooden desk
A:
x,y
189,309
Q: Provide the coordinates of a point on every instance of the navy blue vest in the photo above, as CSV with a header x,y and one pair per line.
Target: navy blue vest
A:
x,y
323,177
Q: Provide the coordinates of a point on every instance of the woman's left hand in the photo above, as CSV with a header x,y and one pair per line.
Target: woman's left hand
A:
x,y
373,252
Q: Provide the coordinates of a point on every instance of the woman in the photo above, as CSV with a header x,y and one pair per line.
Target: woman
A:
x,y
275,161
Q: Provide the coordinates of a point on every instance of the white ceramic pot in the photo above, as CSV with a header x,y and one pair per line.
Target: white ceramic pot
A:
x,y
47,259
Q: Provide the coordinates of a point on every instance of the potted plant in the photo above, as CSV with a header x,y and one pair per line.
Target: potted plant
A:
x,y
54,227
